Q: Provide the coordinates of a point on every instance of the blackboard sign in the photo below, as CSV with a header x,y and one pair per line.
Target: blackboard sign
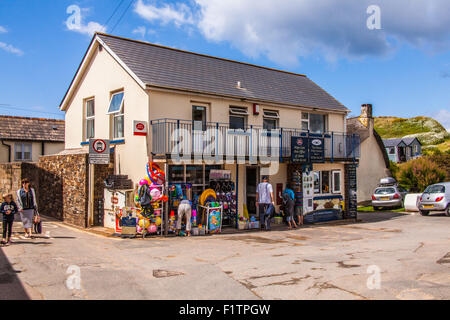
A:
x,y
351,192
316,149
299,149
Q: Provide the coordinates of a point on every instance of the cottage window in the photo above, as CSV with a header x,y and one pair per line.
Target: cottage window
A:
x,y
116,110
391,150
23,151
90,119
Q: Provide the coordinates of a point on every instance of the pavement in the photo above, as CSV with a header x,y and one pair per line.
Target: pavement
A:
x,y
384,256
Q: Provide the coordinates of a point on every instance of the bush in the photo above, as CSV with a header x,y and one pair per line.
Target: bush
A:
x,y
416,175
394,168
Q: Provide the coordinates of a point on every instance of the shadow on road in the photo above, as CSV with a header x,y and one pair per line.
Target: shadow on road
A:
x,y
11,287
370,217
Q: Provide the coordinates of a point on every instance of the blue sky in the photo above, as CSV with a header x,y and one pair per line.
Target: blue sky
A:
x,y
403,69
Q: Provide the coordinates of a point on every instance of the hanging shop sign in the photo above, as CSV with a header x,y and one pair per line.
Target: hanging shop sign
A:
x,y
316,150
306,150
99,151
140,128
300,150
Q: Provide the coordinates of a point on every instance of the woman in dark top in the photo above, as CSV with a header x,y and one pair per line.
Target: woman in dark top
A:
x,y
26,201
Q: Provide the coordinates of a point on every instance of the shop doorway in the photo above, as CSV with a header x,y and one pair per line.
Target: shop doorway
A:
x,y
252,179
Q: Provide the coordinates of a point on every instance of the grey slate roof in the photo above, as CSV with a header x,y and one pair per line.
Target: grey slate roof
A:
x,y
31,129
392,142
175,69
408,141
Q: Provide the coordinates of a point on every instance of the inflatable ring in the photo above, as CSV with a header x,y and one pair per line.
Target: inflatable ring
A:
x,y
155,174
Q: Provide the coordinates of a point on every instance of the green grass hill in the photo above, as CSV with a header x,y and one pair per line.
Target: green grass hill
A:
x,y
430,132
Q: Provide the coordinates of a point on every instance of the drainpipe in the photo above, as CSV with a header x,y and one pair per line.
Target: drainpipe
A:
x,y
9,150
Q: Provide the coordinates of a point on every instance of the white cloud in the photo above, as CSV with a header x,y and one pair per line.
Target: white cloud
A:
x,y
443,116
75,22
141,31
3,30
287,30
178,14
11,49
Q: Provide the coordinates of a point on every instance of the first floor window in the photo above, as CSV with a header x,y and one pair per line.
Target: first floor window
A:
x,y
116,110
305,121
317,123
89,119
391,150
23,152
238,118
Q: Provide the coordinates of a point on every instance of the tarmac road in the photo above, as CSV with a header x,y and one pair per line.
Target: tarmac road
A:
x,y
410,252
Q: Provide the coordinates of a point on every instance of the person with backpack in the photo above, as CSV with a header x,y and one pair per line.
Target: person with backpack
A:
x,y
8,208
265,202
289,205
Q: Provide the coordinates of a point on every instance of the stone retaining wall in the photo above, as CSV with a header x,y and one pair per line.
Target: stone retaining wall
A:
x,y
61,183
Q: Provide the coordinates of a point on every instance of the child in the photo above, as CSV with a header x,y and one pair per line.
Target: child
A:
x,y
8,208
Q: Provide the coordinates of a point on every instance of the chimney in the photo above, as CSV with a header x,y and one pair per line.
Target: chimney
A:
x,y
366,117
366,111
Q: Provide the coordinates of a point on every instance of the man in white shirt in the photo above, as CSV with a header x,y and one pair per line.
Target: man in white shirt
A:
x,y
264,198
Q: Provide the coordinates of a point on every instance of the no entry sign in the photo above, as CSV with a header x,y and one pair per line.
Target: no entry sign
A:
x,y
99,151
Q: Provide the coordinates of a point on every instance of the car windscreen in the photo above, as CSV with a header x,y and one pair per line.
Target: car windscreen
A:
x,y
435,189
385,191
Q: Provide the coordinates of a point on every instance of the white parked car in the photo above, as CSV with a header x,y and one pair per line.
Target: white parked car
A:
x,y
435,198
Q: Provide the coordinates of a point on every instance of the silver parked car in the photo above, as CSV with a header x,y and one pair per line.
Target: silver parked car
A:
x,y
388,197
435,198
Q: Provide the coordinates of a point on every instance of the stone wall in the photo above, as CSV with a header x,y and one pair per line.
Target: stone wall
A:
x,y
61,183
63,188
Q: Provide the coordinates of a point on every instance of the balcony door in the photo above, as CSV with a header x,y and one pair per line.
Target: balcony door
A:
x,y
199,118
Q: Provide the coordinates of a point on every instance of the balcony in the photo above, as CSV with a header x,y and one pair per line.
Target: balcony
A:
x,y
214,139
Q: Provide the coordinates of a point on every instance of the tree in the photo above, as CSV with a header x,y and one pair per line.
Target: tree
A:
x,y
394,168
418,174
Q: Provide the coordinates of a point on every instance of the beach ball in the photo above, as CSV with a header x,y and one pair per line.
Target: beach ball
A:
x,y
158,221
152,228
139,229
143,182
155,194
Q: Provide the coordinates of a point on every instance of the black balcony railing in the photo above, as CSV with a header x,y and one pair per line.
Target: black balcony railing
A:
x,y
180,137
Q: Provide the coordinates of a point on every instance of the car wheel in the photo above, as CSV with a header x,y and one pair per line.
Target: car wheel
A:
x,y
447,211
424,213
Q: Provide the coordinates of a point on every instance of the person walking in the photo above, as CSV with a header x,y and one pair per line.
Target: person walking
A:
x,y
184,209
264,200
289,205
27,204
8,208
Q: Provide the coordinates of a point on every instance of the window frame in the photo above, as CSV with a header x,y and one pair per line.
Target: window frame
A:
x,y
333,172
115,115
271,115
238,112
88,118
22,151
